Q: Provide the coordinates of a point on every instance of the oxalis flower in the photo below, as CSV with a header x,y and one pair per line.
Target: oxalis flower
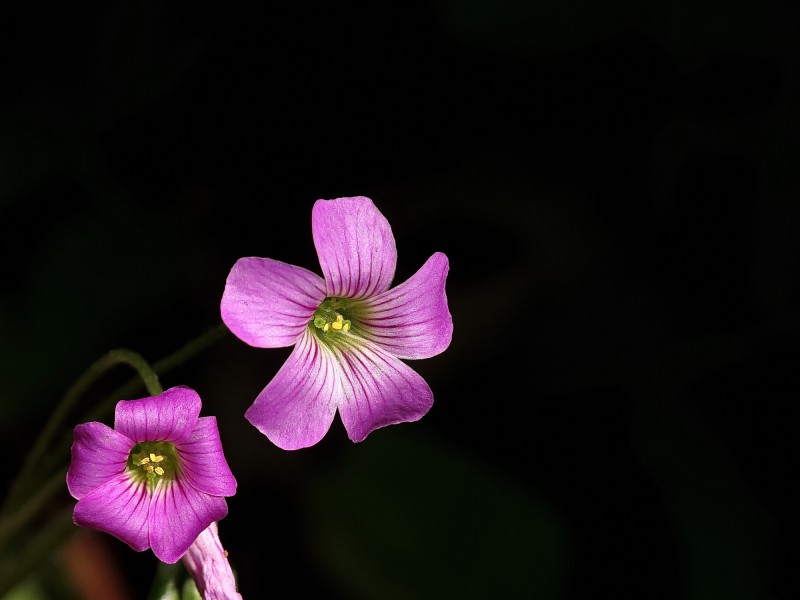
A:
x,y
348,329
157,479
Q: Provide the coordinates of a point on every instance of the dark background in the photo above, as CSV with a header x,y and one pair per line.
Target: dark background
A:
x,y
615,186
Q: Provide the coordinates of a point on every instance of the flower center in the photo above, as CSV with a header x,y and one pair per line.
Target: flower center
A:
x,y
330,317
153,461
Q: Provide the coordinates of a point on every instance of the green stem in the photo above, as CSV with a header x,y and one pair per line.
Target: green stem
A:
x,y
74,393
148,375
163,366
165,583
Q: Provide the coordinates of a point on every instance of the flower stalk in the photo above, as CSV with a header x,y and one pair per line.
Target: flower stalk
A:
x,y
207,563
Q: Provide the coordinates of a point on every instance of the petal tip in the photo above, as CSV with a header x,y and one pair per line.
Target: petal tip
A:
x,y
281,439
359,435
355,246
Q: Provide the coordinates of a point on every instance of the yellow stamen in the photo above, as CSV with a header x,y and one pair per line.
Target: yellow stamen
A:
x,y
159,470
156,459
346,327
326,327
145,460
337,324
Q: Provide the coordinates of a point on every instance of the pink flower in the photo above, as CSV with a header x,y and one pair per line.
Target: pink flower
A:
x,y
349,330
157,479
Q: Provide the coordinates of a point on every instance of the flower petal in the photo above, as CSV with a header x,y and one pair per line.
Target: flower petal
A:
x,y
267,303
355,246
296,408
98,454
178,513
412,320
208,565
118,507
170,416
203,464
378,390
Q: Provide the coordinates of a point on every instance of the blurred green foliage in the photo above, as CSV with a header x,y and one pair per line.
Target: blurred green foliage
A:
x,y
404,516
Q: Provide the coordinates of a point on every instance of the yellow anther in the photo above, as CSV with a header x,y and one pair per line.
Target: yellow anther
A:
x,y
159,470
144,461
328,318
156,459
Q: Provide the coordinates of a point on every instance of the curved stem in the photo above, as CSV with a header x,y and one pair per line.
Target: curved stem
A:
x,y
164,365
74,393
146,372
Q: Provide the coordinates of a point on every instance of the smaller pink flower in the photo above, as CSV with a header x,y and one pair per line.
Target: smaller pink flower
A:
x,y
157,480
207,563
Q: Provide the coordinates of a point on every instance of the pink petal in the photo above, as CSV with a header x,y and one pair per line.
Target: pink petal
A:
x,y
296,408
379,390
267,303
412,320
98,454
178,513
355,246
208,565
203,464
170,416
118,507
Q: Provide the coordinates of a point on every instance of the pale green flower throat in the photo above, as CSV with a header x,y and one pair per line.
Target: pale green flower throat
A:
x,y
330,316
153,461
